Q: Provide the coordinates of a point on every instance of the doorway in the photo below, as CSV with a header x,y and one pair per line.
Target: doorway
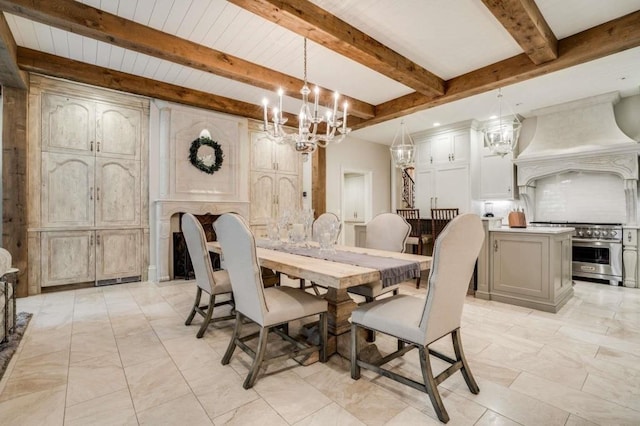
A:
x,y
356,204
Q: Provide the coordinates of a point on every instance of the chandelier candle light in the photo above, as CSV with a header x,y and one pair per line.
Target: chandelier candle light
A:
x,y
306,140
403,152
501,133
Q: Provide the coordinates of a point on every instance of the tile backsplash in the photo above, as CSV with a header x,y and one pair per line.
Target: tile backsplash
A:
x,y
580,197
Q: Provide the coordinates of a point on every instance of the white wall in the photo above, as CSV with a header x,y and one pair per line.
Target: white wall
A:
x,y
355,154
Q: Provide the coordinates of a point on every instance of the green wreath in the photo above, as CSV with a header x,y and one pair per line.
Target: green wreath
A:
x,y
197,161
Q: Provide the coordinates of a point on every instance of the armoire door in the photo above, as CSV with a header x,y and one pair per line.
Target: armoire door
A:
x,y
287,194
262,197
117,192
118,254
118,131
67,124
67,257
67,190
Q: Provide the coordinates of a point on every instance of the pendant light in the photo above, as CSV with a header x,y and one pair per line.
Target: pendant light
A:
x,y
501,134
403,150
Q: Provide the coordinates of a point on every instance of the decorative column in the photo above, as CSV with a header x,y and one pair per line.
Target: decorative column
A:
x,y
630,256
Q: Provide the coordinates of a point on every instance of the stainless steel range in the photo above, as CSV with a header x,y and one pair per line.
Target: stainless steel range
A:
x,y
597,249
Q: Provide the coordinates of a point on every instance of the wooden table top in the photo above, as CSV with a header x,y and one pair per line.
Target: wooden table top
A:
x,y
325,272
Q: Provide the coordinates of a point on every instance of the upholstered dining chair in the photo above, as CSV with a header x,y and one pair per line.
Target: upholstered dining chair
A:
x,y
323,221
386,231
214,283
270,308
418,322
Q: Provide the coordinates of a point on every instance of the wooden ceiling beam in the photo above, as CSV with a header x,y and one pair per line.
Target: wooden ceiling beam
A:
x,y
309,20
10,73
56,66
523,20
76,17
597,42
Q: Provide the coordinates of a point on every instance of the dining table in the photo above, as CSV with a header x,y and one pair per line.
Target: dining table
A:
x,y
336,276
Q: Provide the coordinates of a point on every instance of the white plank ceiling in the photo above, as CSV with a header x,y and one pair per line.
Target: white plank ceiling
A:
x,y
449,38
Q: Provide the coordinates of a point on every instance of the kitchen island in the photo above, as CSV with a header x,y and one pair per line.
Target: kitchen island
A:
x,y
528,267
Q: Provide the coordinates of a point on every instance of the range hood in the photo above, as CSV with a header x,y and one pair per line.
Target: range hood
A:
x,y
580,136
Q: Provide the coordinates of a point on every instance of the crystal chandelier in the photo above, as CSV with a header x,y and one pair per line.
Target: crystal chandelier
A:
x,y
501,134
402,152
306,140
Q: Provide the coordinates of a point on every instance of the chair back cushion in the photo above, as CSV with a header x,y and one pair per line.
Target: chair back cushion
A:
x,y
241,261
197,245
387,231
5,261
325,221
454,257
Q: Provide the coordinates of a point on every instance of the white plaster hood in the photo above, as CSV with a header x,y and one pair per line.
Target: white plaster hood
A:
x,y
578,127
580,136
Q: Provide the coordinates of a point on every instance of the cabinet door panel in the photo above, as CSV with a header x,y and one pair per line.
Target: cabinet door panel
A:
x,y
423,154
118,131
118,254
67,124
117,192
68,189
261,152
496,176
521,265
452,188
67,257
262,197
288,194
287,159
460,146
441,149
425,192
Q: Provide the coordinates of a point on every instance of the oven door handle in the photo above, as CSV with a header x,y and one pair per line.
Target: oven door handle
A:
x,y
592,242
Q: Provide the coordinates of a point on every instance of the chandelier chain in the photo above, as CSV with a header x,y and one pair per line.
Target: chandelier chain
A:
x,y
305,60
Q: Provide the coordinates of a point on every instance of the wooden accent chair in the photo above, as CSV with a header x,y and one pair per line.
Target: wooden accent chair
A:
x,y
417,238
214,283
418,322
439,219
270,308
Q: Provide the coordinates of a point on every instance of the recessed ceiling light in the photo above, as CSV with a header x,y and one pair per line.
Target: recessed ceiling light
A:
x,y
436,124
493,117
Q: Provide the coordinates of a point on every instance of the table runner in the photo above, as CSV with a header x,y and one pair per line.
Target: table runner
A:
x,y
392,271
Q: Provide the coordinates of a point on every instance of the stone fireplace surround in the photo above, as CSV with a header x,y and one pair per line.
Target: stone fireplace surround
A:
x,y
164,210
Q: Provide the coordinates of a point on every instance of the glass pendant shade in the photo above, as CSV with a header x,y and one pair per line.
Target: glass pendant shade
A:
x,y
402,151
501,135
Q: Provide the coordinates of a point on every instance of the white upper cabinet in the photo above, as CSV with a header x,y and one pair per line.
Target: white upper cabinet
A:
x,y
444,146
494,176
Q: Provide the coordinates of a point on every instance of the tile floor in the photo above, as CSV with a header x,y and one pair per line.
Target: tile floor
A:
x,y
121,355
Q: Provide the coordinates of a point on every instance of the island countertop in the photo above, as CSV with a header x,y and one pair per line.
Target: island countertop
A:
x,y
534,230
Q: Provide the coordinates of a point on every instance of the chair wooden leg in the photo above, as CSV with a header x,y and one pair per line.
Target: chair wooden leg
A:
x,y
257,361
418,282
303,283
323,336
465,370
371,335
232,343
196,304
355,368
207,317
431,386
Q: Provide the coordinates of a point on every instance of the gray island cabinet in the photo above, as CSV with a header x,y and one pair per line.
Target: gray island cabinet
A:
x,y
528,267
